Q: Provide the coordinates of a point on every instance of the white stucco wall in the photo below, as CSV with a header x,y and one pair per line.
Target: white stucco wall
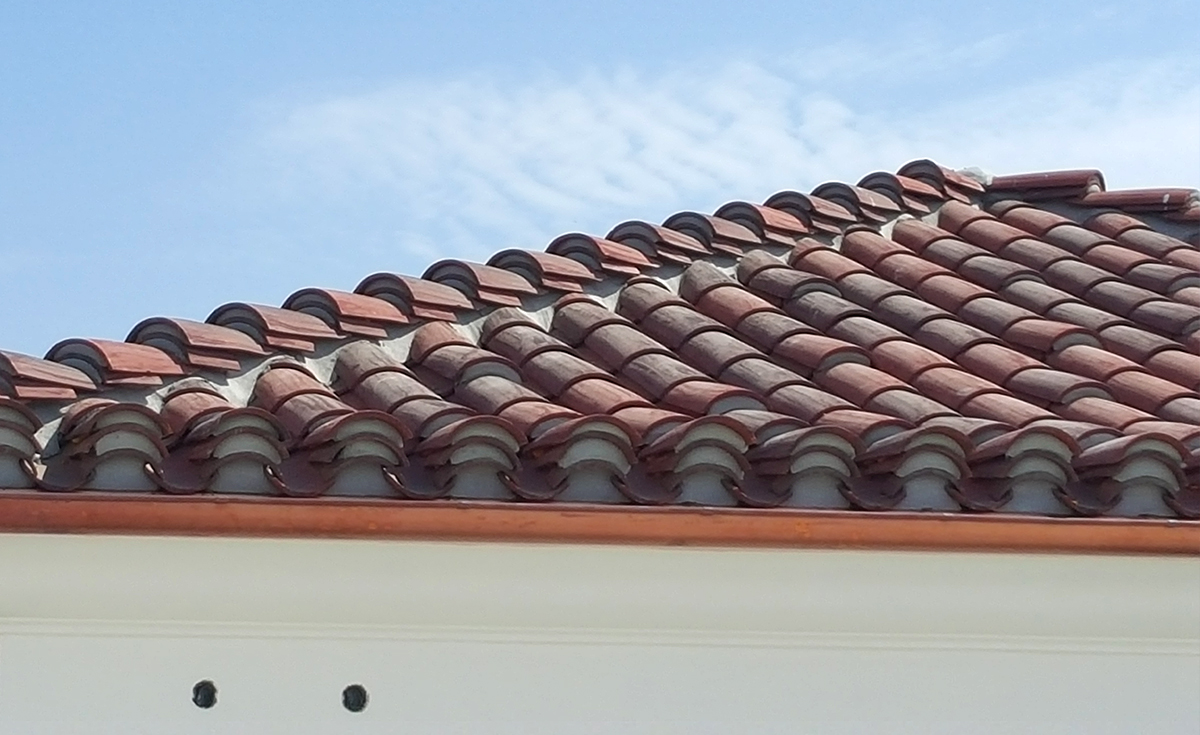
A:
x,y
109,634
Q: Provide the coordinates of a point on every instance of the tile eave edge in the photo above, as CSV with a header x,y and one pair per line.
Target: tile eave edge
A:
x,y
125,514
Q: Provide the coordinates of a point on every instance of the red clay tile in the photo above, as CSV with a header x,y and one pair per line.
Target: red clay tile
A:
x,y
1005,409
1045,336
1167,317
105,361
825,262
905,404
951,337
864,332
416,296
907,313
1053,386
1185,409
773,225
1034,253
1051,184
813,352
28,369
993,315
906,360
1103,412
866,289
765,329
1090,361
952,386
953,216
1166,279
1142,200
717,233
1074,239
1176,366
1031,219
600,255
547,270
1141,238
857,383
1147,392
918,235
995,362
994,273
760,375
1134,343
1086,316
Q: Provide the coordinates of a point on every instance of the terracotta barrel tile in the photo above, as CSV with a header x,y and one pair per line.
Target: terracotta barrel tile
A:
x,y
993,315
1036,296
1118,297
1074,239
1031,219
1034,253
994,273
1167,317
917,235
768,328
908,270
995,362
1176,366
857,383
1103,412
760,375
907,313
1086,316
712,352
827,263
813,352
1005,409
674,324
952,386
807,404
1134,343
952,253
905,404
953,216
1185,409
656,374
951,337
906,360
432,336
1091,361
991,235
598,395
1166,279
868,247
864,332
1144,391
781,284
950,292
866,289
822,310
1044,335
1112,224
1054,386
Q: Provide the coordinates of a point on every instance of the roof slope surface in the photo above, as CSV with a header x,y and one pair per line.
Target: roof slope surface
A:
x,y
919,341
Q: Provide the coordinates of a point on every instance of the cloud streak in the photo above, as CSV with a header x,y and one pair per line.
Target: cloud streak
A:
x,y
478,163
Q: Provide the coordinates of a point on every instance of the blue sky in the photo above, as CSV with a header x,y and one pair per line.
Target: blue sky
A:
x,y
164,160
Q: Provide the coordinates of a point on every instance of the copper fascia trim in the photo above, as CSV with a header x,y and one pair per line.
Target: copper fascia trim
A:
x,y
449,520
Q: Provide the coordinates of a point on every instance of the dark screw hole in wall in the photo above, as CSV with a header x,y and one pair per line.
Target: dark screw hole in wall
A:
x,y
354,698
204,694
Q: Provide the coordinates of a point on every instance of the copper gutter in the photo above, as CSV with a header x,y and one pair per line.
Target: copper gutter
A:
x,y
201,515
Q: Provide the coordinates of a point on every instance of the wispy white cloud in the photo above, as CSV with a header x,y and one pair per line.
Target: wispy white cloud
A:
x,y
478,163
